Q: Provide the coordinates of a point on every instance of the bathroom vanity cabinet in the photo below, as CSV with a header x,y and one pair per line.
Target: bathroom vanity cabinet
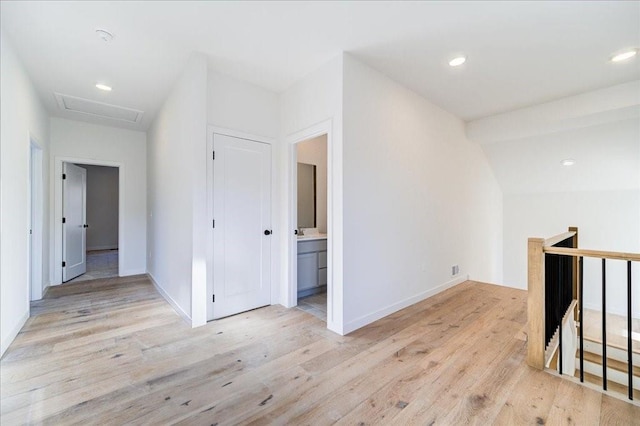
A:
x,y
312,266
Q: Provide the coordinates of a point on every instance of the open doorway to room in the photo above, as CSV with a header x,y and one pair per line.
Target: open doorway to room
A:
x,y
310,181
98,247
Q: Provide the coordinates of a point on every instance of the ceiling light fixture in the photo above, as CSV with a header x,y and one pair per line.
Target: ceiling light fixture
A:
x,y
103,87
457,61
623,56
105,35
568,162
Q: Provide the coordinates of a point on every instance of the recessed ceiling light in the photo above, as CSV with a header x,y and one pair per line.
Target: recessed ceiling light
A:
x,y
103,87
623,56
568,162
104,35
457,61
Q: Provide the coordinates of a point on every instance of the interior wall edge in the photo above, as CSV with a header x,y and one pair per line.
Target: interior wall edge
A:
x,y
8,339
169,300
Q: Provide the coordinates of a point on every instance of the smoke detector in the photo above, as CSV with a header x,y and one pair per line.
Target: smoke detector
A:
x,y
104,35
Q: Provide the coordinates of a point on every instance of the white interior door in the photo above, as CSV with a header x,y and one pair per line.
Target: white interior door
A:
x,y
74,211
242,227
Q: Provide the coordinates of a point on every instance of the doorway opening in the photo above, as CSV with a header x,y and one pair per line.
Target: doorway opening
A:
x,y
310,185
90,222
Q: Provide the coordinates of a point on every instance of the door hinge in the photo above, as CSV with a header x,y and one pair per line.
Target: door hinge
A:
x,y
64,220
213,225
64,264
64,176
213,156
213,298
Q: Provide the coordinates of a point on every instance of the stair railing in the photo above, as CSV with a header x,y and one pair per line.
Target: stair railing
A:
x,y
555,293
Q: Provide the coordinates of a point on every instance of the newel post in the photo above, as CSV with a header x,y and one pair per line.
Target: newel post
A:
x,y
535,303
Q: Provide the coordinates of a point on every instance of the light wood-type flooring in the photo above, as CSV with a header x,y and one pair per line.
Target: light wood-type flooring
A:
x,y
114,352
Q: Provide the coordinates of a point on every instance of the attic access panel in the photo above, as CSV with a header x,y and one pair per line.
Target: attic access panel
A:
x,y
98,109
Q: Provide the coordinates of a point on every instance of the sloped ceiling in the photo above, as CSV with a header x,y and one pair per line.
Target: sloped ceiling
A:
x,y
519,53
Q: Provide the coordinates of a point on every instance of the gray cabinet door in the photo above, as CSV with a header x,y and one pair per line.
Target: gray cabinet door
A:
x,y
307,270
322,276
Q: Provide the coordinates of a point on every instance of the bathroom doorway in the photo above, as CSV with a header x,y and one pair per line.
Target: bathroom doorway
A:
x,y
311,189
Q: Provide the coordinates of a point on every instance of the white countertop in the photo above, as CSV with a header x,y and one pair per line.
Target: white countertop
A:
x,y
312,237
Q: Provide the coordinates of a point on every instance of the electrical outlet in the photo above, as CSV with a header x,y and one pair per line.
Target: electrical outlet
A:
x,y
455,270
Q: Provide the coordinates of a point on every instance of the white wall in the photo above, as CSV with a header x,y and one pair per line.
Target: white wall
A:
x,y
606,220
419,197
80,142
600,194
102,207
23,118
311,107
176,164
236,105
314,151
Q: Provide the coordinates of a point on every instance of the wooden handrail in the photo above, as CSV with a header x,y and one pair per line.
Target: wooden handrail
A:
x,y
634,257
553,275
537,249
557,238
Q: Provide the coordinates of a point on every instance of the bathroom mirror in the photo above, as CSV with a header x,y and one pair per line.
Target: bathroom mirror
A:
x,y
306,195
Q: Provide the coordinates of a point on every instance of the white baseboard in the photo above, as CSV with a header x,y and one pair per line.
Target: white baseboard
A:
x,y
6,342
169,300
381,313
130,272
45,288
111,247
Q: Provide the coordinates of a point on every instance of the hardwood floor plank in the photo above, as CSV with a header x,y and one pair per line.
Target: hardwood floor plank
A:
x,y
339,375
531,399
112,351
477,354
482,403
575,404
617,412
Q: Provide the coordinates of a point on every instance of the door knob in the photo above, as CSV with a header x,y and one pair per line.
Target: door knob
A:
x,y
267,232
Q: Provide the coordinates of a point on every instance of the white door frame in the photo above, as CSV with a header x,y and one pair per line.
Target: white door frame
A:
x,y
211,131
36,218
56,180
334,301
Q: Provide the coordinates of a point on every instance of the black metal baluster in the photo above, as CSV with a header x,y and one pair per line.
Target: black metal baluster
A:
x,y
604,324
629,352
580,285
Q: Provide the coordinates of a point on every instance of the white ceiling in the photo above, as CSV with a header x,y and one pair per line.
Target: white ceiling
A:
x,y
519,53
